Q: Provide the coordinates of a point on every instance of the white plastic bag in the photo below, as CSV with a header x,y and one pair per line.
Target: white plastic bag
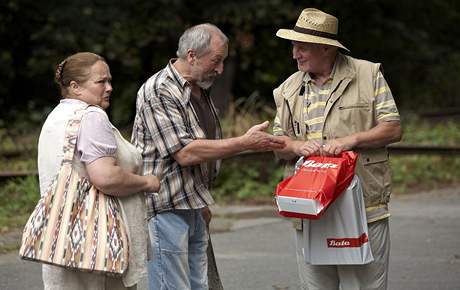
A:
x,y
340,236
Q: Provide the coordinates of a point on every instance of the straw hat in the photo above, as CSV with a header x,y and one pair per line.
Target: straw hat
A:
x,y
314,26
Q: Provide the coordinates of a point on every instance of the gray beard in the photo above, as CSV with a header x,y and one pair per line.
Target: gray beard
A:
x,y
204,84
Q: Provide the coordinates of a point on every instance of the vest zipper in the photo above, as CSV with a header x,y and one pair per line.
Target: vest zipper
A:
x,y
290,115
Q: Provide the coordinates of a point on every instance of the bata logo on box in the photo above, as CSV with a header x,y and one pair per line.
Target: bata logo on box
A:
x,y
338,243
311,163
347,242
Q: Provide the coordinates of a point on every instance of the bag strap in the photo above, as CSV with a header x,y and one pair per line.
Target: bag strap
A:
x,y
71,134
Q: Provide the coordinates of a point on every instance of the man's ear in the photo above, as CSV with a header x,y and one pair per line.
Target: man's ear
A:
x,y
191,56
329,49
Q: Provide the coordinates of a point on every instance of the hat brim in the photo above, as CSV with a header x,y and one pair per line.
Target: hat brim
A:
x,y
302,37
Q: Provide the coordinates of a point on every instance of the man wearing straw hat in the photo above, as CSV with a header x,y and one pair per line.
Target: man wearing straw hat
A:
x,y
331,104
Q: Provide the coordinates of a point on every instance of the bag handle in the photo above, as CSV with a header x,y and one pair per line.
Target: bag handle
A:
x,y
71,135
349,156
344,154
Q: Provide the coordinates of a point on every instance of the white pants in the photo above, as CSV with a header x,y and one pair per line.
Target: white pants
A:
x,y
58,278
372,276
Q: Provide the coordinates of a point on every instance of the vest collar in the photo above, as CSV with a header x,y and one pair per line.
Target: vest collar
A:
x,y
344,74
343,70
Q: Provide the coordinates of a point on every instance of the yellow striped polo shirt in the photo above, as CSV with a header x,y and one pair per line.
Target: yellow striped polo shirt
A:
x,y
315,98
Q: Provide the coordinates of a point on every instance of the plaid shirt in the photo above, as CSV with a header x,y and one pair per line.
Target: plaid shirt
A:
x,y
166,122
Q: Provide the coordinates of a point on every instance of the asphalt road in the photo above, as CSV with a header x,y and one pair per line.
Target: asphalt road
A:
x,y
258,251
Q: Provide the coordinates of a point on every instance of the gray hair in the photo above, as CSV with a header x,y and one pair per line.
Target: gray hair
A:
x,y
198,39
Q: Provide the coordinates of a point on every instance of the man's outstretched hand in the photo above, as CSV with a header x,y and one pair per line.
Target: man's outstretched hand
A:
x,y
258,140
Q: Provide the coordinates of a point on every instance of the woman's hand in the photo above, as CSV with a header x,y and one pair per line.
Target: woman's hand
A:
x,y
111,179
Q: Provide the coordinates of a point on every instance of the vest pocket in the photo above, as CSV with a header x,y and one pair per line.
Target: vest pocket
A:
x,y
374,157
354,117
355,106
374,171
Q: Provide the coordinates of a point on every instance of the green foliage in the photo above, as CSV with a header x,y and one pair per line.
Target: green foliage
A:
x,y
19,164
137,38
247,178
255,177
245,113
17,139
415,172
19,197
422,131
412,173
18,149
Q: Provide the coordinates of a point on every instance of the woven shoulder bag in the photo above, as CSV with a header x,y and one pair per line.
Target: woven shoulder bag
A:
x,y
74,225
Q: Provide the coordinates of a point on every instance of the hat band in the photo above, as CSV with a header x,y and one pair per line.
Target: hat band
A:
x,y
315,32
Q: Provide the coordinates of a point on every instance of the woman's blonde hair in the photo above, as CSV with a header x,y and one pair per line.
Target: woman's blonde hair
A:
x,y
75,68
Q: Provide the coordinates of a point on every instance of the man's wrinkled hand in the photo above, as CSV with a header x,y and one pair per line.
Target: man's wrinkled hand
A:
x,y
337,146
258,140
306,148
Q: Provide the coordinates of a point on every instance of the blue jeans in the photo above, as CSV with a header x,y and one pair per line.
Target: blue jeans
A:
x,y
179,241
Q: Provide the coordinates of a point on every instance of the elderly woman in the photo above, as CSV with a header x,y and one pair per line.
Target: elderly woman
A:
x,y
111,164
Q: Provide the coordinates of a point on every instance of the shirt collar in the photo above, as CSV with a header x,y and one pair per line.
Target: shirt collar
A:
x,y
175,75
72,101
307,78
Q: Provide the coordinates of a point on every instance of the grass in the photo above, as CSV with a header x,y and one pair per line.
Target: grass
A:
x,y
19,197
416,172
249,178
18,150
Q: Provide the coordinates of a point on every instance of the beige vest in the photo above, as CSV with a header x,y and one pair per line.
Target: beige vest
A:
x,y
349,109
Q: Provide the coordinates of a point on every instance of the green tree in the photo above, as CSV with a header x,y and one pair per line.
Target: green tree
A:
x,y
415,40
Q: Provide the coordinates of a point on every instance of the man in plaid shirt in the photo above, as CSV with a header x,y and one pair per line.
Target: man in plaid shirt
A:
x,y
177,129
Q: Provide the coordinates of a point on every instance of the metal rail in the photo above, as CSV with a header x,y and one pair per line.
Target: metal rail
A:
x,y
16,152
444,113
403,149
394,149
13,174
